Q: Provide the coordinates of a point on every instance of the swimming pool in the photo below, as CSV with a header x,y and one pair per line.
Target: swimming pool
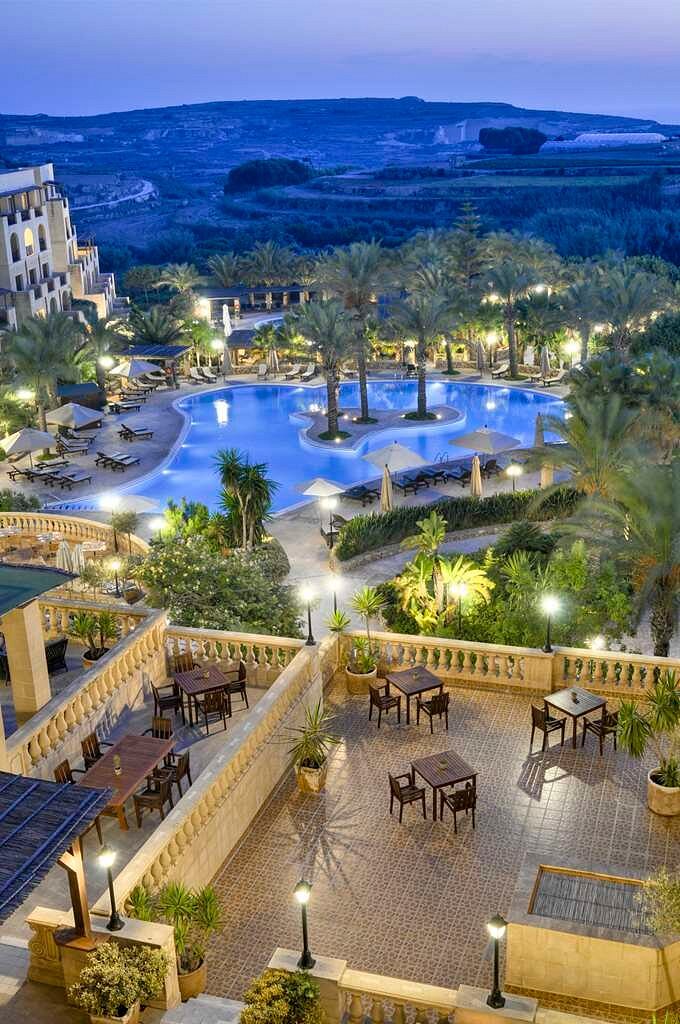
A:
x,y
261,420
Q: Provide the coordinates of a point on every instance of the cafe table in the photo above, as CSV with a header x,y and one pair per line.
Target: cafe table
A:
x,y
442,770
412,682
575,702
139,755
199,680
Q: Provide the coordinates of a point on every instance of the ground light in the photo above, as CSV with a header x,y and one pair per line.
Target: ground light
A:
x,y
25,394
597,643
513,471
496,928
549,606
303,890
459,590
329,504
106,858
307,595
573,349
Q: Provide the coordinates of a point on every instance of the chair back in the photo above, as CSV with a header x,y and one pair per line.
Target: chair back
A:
x,y
375,696
213,702
182,766
55,652
90,747
538,717
62,773
161,728
463,799
439,704
183,662
610,720
395,788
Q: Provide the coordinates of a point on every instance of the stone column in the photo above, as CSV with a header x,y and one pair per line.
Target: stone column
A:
x,y
25,645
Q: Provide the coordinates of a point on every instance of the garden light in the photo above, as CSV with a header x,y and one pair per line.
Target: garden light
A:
x,y
496,928
307,595
514,470
549,606
106,858
303,891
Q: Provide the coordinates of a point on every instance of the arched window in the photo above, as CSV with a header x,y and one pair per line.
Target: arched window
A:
x,y
14,246
42,238
28,241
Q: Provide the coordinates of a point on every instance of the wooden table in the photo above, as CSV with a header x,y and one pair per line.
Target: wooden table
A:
x,y
202,680
584,704
441,770
411,682
139,755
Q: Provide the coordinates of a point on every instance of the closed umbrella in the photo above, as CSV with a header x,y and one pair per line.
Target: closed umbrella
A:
x,y
227,366
273,360
539,435
485,440
476,478
131,368
63,558
26,441
319,487
481,357
386,495
226,320
77,559
545,362
74,416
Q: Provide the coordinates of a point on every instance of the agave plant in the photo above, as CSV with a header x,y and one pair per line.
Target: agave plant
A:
x,y
313,740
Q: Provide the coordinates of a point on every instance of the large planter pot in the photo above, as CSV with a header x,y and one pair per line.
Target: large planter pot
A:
x,y
311,780
89,660
359,682
663,800
131,1017
193,983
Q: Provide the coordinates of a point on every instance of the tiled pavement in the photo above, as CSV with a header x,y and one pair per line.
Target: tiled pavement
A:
x,y
411,901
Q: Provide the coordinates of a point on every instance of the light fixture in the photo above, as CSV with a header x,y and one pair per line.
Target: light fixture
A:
x,y
106,858
597,643
514,470
335,586
550,605
329,503
496,928
307,595
490,405
106,362
539,288
459,590
217,345
303,891
109,502
157,523
25,394
114,567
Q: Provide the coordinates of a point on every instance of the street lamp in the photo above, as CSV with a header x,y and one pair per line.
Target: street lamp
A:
x,y
573,349
329,504
114,566
549,605
303,890
513,471
496,928
335,586
217,345
459,590
106,858
307,595
106,362
491,341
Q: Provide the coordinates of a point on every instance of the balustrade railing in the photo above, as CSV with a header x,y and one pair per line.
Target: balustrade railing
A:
x,y
58,615
616,672
374,999
73,528
264,656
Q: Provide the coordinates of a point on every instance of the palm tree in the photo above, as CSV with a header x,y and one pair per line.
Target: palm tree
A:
x,y
179,277
368,603
201,335
582,305
628,299
227,268
355,273
141,278
247,494
269,263
534,253
103,336
155,327
42,352
511,282
330,330
424,316
542,318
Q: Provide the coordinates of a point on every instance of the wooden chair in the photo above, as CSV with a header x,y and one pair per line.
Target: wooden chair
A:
x,y
212,704
91,747
437,706
168,698
160,728
183,662
383,702
154,797
541,721
606,725
405,793
64,773
239,685
178,769
458,800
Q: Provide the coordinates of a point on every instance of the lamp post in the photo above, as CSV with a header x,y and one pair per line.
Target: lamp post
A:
x,y
459,590
329,504
217,345
307,595
513,471
114,566
106,858
491,341
334,585
573,349
303,890
550,605
496,929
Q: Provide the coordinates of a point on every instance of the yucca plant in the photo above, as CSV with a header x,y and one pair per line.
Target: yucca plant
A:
x,y
313,740
194,915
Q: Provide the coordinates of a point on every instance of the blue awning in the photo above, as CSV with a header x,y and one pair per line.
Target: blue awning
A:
x,y
156,351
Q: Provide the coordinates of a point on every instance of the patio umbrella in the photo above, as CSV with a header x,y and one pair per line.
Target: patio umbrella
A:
x,y
396,457
73,415
386,496
226,320
490,442
64,560
319,487
539,436
26,441
132,368
545,362
547,476
77,559
476,478
273,360
227,366
481,357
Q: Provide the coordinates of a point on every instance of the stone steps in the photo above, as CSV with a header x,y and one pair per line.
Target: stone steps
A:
x,y
204,1009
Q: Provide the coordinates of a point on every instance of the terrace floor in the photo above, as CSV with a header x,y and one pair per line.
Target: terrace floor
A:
x,y
411,901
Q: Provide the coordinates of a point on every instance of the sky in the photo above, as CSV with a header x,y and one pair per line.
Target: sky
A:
x,y
93,56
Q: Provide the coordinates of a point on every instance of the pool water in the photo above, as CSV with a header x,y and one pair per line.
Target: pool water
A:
x,y
261,420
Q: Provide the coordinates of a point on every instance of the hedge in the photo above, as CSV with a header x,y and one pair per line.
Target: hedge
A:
x,y
370,532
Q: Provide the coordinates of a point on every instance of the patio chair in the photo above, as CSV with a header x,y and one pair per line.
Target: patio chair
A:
x,y
383,702
179,768
91,747
183,662
262,371
212,705
64,773
405,792
500,370
167,698
606,725
195,377
154,797
458,800
239,685
140,433
541,721
309,372
293,372
435,707
55,655
339,521
160,728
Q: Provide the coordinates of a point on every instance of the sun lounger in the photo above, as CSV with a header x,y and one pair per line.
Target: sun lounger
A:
x,y
70,479
461,476
194,376
293,372
116,460
361,493
64,446
262,371
134,433
500,370
309,372
557,378
491,468
210,377
339,521
434,474
411,482
125,406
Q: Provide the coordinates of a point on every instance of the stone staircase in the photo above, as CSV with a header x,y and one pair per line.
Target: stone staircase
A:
x,y
204,1010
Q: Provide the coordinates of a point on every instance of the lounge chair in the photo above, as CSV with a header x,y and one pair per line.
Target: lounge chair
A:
x,y
207,374
138,433
125,406
339,521
293,372
66,446
74,435
462,475
411,482
71,478
361,493
194,376
500,370
262,371
557,378
309,372
434,474
491,468
116,460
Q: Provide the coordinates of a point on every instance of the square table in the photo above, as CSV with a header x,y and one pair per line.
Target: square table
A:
x,y
139,755
411,682
441,770
201,680
575,702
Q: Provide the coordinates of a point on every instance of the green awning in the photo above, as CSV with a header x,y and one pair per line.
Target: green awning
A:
x,y
21,584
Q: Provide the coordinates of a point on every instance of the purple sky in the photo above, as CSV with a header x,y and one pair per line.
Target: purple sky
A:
x,y
605,56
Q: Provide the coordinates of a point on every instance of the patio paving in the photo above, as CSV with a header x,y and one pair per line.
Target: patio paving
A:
x,y
411,901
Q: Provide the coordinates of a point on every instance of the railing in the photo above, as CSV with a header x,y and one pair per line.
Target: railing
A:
x,y
58,615
58,727
264,656
72,527
374,999
612,671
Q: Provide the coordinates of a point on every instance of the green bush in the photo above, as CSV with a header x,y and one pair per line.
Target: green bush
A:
x,y
277,997
15,501
373,531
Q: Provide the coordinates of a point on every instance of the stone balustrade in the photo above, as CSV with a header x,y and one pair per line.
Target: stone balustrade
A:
x,y
58,615
375,999
615,672
73,528
264,656
99,695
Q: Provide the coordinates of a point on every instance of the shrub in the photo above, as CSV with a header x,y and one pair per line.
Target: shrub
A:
x,y
369,532
277,997
115,977
15,501
265,173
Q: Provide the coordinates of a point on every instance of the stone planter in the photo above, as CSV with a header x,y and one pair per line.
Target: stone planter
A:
x,y
663,800
89,661
131,1017
193,983
359,682
311,780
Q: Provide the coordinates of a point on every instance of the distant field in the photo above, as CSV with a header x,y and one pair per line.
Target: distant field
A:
x,y
649,157
503,181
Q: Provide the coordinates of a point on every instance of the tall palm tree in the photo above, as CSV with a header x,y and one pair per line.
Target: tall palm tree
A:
x,y
424,316
227,268
155,327
179,277
269,263
534,253
42,352
141,278
355,274
628,299
542,318
247,494
582,305
329,328
103,337
511,282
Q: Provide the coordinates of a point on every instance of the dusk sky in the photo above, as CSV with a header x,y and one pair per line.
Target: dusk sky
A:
x,y
91,56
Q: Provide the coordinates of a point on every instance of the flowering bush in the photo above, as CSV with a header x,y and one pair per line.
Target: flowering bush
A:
x,y
115,977
277,997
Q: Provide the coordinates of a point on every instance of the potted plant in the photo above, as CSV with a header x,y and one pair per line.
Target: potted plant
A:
x,y
282,997
95,631
116,979
361,668
309,753
656,723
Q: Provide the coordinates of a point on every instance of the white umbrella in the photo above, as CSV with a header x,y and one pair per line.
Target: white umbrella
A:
x,y
64,559
78,559
74,415
132,368
319,487
545,362
25,441
481,357
476,478
396,457
226,360
273,360
539,436
386,496
485,440
226,320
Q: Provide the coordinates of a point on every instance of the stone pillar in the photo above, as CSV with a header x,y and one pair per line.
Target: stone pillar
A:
x,y
25,646
327,973
45,964
4,763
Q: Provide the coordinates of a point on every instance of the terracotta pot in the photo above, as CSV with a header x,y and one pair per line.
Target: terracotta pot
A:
x,y
311,780
193,983
131,1017
358,682
663,800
